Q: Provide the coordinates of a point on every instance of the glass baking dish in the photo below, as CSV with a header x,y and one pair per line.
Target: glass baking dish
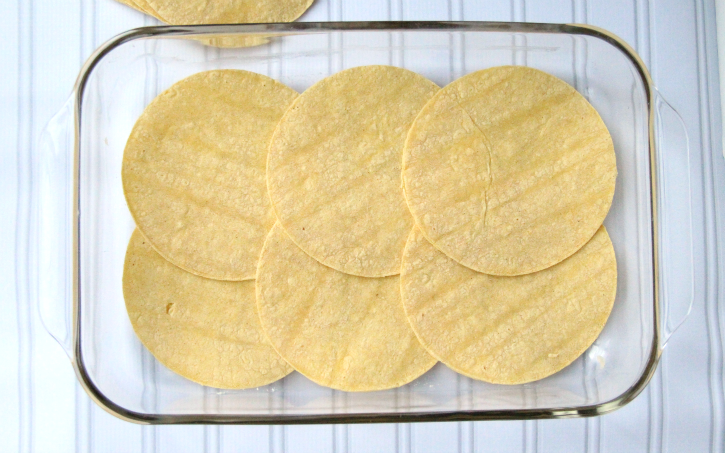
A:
x,y
85,224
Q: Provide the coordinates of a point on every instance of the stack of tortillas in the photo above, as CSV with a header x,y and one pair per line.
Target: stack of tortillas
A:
x,y
369,227
199,12
194,12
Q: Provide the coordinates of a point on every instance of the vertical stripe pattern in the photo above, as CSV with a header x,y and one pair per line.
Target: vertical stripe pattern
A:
x,y
712,296
93,425
22,225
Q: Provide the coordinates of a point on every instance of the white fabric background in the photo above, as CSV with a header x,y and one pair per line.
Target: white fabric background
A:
x,y
42,408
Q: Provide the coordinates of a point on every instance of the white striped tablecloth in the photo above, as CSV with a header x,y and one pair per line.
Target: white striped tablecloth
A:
x,y
42,408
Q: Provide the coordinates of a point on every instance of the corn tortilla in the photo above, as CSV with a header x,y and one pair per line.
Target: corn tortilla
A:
x,y
234,41
144,7
509,170
194,171
191,12
139,6
205,330
340,330
333,170
508,330
222,41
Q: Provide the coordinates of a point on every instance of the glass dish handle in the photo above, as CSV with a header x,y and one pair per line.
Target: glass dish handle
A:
x,y
677,279
55,292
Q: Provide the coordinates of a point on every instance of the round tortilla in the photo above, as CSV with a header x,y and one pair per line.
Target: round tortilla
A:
x,y
341,331
508,330
194,171
205,330
191,12
139,5
333,170
509,170
222,41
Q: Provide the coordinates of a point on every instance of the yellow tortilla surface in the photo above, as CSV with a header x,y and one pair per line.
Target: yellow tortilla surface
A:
x,y
194,171
189,12
341,331
224,41
508,330
333,169
205,330
234,41
142,6
509,170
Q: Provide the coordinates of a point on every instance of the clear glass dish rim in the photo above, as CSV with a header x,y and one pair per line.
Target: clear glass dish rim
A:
x,y
189,31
